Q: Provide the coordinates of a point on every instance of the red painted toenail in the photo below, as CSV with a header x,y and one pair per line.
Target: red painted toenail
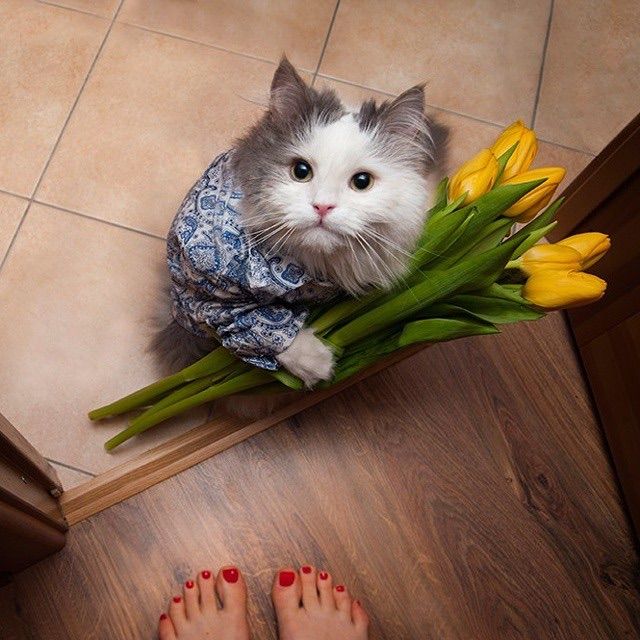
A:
x,y
286,578
189,584
163,616
340,588
206,574
230,575
306,569
177,599
323,575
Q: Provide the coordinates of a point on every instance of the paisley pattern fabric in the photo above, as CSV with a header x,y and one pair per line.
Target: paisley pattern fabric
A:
x,y
223,286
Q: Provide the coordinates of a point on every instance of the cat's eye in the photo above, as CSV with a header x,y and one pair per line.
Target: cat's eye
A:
x,y
301,171
361,181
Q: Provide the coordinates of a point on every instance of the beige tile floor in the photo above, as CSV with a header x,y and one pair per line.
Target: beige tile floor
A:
x,y
109,109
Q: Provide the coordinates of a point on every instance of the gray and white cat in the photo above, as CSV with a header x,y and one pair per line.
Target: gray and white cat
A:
x,y
340,194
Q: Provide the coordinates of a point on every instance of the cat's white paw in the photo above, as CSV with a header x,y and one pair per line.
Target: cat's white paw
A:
x,y
308,358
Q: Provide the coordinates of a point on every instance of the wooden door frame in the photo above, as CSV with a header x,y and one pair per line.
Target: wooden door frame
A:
x,y
603,175
31,519
605,197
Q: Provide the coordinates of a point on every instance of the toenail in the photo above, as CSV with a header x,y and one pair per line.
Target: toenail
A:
x,y
340,588
177,599
230,575
286,578
163,616
206,574
323,575
306,569
189,584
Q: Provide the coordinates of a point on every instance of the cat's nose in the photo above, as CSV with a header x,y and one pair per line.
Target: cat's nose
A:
x,y
323,209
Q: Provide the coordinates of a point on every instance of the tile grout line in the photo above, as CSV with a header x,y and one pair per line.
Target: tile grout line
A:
x,y
215,47
57,142
591,154
142,232
542,63
75,102
15,195
326,42
452,112
427,104
61,6
70,467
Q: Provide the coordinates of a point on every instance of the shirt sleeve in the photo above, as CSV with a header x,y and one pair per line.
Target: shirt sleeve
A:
x,y
255,333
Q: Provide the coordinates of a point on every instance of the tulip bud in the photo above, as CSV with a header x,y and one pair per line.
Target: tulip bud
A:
x,y
475,177
549,256
591,247
524,153
550,289
538,198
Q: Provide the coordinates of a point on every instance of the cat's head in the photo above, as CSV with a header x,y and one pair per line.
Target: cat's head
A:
x,y
343,192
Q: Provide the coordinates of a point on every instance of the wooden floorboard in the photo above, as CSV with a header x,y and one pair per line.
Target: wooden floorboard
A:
x,y
463,494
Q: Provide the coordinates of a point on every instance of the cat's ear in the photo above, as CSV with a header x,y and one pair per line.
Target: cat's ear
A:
x,y
405,115
288,89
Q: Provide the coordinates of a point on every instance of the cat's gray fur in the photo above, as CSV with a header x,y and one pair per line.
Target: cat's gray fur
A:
x,y
398,126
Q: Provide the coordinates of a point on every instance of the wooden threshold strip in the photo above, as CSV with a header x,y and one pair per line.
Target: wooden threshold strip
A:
x,y
191,448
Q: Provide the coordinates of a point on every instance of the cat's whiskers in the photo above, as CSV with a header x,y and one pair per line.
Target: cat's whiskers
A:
x,y
260,216
279,244
389,248
260,237
384,240
255,242
399,277
393,277
384,280
355,257
255,230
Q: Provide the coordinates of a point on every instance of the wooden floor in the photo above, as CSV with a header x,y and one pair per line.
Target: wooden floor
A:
x,y
463,494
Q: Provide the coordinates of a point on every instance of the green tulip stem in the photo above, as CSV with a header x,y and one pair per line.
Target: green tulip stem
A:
x,y
211,363
244,381
191,388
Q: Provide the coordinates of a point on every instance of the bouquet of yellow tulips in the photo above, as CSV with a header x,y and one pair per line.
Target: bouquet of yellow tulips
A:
x,y
468,274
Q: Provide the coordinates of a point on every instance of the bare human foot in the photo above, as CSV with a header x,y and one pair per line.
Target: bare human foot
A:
x,y
309,607
195,614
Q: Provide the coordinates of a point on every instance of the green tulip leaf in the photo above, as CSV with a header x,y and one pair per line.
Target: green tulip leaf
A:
x,y
442,212
494,235
533,238
440,198
441,237
443,329
540,221
496,310
504,158
505,291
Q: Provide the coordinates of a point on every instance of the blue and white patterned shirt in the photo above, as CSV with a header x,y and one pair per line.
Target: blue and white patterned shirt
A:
x,y
223,286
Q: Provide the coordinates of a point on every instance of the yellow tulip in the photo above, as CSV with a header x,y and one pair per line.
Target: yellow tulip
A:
x,y
591,246
475,177
528,206
550,289
549,256
524,153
